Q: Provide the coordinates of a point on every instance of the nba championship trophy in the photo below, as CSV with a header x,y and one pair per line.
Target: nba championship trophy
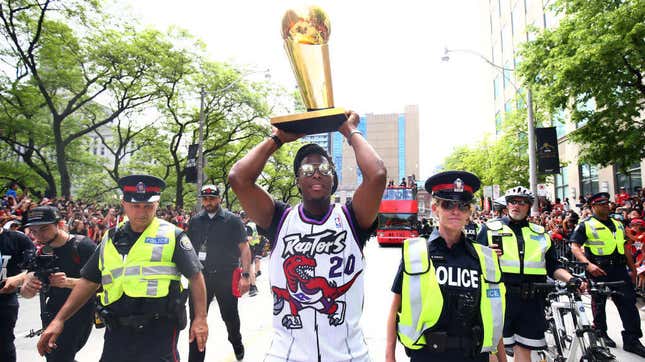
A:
x,y
305,35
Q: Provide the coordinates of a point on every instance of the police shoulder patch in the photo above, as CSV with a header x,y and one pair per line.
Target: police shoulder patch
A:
x,y
494,225
537,228
185,243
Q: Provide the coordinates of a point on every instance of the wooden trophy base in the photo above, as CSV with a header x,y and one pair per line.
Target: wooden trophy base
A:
x,y
321,121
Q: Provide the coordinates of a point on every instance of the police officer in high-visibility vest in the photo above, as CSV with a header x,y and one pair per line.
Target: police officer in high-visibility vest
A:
x,y
448,300
139,266
603,240
526,257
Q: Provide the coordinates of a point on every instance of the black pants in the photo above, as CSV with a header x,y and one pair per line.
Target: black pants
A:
x,y
218,285
626,303
8,317
75,334
156,342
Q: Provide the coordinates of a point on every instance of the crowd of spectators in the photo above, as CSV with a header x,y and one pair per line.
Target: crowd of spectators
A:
x,y
79,217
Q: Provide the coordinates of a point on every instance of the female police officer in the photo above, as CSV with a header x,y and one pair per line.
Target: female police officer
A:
x,y
449,299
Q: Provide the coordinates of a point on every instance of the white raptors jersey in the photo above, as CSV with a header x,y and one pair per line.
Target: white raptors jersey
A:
x,y
316,274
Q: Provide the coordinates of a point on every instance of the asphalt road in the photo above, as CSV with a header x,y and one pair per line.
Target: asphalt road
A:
x,y
256,313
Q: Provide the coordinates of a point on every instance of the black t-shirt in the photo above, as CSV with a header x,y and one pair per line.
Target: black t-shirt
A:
x,y
71,257
280,208
219,237
13,245
458,274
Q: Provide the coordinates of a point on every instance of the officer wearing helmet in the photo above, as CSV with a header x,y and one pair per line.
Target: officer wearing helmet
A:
x,y
599,240
221,239
526,257
139,265
448,293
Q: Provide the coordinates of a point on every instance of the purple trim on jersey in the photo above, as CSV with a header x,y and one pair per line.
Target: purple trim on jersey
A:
x,y
312,221
351,226
277,230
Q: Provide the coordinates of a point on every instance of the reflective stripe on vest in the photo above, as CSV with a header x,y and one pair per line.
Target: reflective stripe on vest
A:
x,y
535,247
422,302
493,298
601,240
421,298
147,269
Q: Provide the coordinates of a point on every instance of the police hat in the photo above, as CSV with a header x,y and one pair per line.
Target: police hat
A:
x,y
42,215
209,190
599,198
141,188
453,185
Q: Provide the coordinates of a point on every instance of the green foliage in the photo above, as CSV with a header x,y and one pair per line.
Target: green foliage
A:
x,y
595,56
503,161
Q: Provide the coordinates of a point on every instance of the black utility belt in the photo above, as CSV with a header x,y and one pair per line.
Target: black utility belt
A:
x,y
609,261
441,342
136,321
525,291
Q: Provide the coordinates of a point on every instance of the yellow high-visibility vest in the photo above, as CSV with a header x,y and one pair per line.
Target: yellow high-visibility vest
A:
x,y
422,301
147,269
536,244
601,240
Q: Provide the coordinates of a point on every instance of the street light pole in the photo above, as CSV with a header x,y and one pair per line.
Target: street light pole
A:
x,y
530,121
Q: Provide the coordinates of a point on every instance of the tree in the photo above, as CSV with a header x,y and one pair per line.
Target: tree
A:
x,y
595,56
72,76
503,161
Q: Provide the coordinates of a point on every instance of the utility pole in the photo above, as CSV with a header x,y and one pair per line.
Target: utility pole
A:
x,y
200,141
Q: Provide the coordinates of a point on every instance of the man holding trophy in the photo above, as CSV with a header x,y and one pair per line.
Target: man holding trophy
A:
x,y
316,264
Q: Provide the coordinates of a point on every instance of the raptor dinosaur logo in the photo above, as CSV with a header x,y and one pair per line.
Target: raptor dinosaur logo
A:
x,y
305,290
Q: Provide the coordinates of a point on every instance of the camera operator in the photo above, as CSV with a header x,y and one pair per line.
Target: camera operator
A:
x,y
66,256
13,245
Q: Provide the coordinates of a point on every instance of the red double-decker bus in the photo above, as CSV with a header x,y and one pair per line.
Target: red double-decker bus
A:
x,y
397,216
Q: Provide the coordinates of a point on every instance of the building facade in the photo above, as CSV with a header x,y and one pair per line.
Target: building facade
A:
x,y
395,136
505,26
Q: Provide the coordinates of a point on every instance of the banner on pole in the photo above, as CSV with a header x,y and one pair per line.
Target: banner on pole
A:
x,y
191,164
548,159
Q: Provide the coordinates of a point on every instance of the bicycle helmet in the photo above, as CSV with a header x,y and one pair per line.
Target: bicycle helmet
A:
x,y
519,191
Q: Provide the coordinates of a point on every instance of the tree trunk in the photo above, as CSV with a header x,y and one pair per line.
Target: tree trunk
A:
x,y
179,192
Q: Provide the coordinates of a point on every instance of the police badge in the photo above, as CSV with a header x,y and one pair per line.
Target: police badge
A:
x,y
458,185
141,188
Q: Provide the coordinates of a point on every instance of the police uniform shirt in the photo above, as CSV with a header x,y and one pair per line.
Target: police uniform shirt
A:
x,y
579,236
13,245
219,237
280,208
184,257
457,270
551,258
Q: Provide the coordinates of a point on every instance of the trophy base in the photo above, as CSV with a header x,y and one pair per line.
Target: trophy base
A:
x,y
321,121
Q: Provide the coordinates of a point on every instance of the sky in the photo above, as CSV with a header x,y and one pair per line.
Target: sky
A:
x,y
384,55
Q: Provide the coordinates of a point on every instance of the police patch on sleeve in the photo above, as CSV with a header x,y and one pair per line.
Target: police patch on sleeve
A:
x,y
185,243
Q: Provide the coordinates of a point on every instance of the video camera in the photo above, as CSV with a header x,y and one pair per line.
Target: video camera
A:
x,y
42,265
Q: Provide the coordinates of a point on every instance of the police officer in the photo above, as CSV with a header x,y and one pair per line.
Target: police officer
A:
x,y
603,240
448,292
14,246
256,244
526,257
139,265
68,253
221,238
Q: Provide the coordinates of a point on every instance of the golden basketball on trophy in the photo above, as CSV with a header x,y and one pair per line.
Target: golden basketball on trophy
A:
x,y
305,33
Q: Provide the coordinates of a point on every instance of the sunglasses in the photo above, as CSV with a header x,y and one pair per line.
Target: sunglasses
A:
x,y
518,202
308,169
451,204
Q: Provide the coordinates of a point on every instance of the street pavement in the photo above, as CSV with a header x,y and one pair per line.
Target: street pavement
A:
x,y
256,313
